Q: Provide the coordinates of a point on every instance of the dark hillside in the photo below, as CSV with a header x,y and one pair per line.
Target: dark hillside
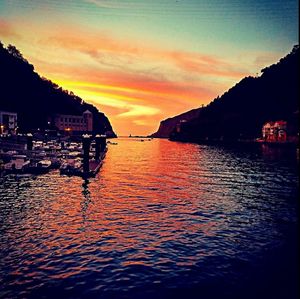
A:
x,y
167,126
241,111
34,98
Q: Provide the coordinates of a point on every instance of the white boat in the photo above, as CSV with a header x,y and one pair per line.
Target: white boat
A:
x,y
74,146
70,166
37,145
18,164
42,166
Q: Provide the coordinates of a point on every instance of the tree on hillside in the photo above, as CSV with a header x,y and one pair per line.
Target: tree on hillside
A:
x,y
12,50
36,99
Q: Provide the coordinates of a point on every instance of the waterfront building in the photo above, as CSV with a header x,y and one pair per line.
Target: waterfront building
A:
x,y
275,131
8,122
74,123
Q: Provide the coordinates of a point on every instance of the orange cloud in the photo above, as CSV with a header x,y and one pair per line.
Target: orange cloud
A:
x,y
116,93
111,52
135,84
7,30
137,90
207,65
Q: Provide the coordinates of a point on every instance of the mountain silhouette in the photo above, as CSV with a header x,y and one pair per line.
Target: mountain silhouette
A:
x,y
36,99
240,113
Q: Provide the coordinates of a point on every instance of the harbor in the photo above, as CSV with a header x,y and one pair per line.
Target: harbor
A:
x,y
149,149
160,220
28,156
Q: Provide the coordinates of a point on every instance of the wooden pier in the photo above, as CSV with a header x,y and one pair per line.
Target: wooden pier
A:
x,y
94,167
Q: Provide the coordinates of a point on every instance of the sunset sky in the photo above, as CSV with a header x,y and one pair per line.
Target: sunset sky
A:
x,y
142,61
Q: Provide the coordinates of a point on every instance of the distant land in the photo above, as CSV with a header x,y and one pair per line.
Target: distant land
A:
x,y
35,98
240,113
167,126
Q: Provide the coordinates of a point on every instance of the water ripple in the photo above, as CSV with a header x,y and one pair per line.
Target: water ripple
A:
x,y
161,220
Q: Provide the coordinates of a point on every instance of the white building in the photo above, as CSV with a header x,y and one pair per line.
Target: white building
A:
x,y
76,123
275,131
8,122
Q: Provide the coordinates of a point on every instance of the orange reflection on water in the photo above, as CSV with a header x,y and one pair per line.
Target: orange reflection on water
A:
x,y
159,214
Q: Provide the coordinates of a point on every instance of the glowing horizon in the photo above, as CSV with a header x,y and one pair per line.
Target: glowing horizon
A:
x,y
140,63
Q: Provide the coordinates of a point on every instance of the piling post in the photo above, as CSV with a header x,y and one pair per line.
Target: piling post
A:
x,y
103,142
98,147
29,144
86,142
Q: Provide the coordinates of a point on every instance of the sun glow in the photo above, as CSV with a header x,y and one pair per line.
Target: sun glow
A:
x,y
140,70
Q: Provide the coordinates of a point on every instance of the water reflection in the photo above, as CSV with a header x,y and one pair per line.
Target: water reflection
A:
x,y
161,220
278,153
86,199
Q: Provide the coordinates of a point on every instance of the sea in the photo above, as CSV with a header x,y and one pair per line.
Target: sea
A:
x,y
160,220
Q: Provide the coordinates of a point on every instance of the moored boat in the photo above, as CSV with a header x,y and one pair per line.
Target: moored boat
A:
x,y
71,166
42,166
18,164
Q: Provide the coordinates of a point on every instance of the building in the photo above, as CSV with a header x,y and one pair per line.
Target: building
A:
x,y
74,123
8,122
275,131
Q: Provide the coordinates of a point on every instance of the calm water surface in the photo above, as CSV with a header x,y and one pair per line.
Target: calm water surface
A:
x,y
161,220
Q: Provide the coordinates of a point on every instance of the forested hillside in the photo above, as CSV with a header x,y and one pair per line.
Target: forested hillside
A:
x,y
241,111
35,98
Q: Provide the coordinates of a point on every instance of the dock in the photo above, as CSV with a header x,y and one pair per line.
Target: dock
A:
x,y
84,159
94,167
